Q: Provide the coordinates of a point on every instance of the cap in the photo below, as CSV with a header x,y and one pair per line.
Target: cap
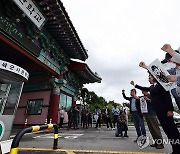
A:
x,y
167,57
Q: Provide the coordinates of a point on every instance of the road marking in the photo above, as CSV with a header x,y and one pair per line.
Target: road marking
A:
x,y
71,151
66,136
70,137
12,136
51,135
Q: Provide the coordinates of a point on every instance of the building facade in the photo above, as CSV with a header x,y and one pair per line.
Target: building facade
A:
x,y
38,36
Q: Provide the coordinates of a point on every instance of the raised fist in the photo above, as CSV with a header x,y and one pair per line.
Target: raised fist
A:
x,y
172,78
143,65
132,82
166,47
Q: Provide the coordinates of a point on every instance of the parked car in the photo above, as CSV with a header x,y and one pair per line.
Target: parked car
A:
x,y
176,117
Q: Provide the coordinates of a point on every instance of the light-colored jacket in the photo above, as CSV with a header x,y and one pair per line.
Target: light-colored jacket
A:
x,y
61,113
175,71
176,58
115,111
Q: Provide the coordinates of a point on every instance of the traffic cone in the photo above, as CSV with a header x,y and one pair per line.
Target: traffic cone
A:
x,y
45,122
45,130
50,122
25,123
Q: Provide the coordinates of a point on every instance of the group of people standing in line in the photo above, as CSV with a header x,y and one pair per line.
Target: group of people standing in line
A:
x,y
87,117
159,104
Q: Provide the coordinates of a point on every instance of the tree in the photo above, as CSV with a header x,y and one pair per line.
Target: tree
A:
x,y
93,100
84,95
112,103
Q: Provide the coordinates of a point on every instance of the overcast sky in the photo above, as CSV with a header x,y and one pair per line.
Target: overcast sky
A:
x,y
118,34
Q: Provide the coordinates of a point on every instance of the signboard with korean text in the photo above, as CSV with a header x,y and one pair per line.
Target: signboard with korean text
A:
x,y
143,105
159,72
9,30
14,69
30,9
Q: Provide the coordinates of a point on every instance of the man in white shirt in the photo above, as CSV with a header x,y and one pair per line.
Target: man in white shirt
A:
x,y
61,114
98,117
115,112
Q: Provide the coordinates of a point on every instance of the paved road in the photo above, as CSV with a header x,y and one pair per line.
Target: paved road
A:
x,y
86,141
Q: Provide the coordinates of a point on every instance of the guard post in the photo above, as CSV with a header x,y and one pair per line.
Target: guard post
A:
x,y
16,140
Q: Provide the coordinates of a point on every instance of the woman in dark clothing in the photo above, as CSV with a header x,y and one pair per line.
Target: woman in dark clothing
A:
x,y
75,117
70,118
122,125
89,118
107,117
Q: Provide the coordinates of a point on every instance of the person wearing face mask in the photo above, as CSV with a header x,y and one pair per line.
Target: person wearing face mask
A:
x,y
174,72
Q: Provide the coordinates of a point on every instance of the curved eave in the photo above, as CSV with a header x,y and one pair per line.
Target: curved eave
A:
x,y
83,71
61,28
94,77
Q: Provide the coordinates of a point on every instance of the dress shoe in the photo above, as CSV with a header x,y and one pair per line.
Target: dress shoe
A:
x,y
120,135
153,145
135,140
159,146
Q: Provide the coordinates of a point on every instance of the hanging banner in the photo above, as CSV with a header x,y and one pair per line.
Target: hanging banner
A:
x,y
143,105
30,9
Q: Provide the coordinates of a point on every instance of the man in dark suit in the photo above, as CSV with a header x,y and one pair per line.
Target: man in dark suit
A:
x,y
107,117
151,119
136,113
162,104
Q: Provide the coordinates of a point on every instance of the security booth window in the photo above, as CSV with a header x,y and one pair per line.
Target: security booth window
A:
x,y
9,97
4,92
34,107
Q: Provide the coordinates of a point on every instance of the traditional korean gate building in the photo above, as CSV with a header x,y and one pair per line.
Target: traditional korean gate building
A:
x,y
38,36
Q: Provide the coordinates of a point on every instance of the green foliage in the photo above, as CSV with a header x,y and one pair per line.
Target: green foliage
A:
x,y
112,103
93,100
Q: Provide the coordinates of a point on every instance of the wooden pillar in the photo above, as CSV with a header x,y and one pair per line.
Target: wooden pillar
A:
x,y
54,105
74,103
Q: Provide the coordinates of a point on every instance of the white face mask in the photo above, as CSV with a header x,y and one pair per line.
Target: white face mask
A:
x,y
170,65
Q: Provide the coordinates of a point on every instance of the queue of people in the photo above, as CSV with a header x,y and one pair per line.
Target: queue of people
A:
x,y
85,117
